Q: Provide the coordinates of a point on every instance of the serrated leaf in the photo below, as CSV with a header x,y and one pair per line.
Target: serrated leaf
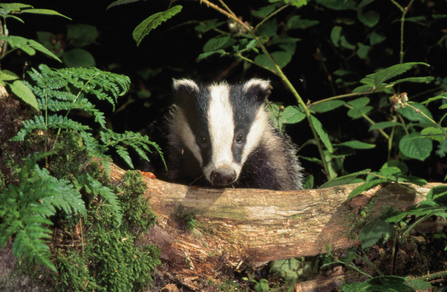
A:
x,y
383,125
327,106
24,93
216,43
434,134
375,231
366,186
425,79
145,27
376,79
264,11
413,115
356,113
346,179
296,3
268,28
396,163
357,145
43,11
296,22
359,102
281,58
282,39
322,134
292,115
441,96
207,54
338,4
415,146
208,25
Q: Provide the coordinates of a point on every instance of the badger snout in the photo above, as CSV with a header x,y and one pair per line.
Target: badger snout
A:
x,y
223,176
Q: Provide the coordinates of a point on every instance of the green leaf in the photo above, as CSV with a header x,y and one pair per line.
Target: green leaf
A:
x,y
373,81
216,43
425,79
322,134
375,231
338,4
356,113
81,35
264,11
357,145
6,75
281,58
345,44
363,51
434,134
415,146
359,102
207,54
346,179
366,186
24,93
296,3
383,283
79,58
292,115
370,18
396,163
145,27
335,35
268,29
327,106
208,25
43,11
383,125
28,46
375,38
283,39
296,22
414,116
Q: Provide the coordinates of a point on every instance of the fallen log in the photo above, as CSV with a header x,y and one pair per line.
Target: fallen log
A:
x,y
253,227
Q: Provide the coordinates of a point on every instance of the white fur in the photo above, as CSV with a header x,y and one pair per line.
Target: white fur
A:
x,y
221,128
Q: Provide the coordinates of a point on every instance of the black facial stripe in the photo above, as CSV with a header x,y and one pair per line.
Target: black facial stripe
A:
x,y
195,106
245,107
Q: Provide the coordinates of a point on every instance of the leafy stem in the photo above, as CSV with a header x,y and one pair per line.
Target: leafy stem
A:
x,y
402,21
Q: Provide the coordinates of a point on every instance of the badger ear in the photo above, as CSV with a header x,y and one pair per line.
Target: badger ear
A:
x,y
257,89
185,86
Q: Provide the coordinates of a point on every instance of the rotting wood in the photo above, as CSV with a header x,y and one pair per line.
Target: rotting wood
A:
x,y
251,226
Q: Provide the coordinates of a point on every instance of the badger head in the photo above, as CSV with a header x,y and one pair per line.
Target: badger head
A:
x,y
221,124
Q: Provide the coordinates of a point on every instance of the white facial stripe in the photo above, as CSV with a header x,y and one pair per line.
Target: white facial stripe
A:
x,y
221,129
256,133
181,127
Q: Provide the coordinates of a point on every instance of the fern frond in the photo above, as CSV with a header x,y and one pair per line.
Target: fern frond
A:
x,y
135,140
25,210
97,188
54,122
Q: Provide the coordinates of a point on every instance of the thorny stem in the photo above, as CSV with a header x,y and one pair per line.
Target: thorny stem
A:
x,y
402,21
270,15
279,73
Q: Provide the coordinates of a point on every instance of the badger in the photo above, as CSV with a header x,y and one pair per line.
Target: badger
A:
x,y
221,135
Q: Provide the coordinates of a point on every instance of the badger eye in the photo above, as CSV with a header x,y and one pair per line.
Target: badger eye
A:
x,y
239,139
202,140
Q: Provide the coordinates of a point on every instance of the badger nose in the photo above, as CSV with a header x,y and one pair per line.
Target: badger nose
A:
x,y
223,176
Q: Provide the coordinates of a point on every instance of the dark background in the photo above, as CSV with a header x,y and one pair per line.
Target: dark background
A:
x,y
172,48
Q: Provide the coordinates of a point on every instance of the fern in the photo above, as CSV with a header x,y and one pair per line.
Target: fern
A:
x,y
54,83
135,140
25,210
54,122
96,188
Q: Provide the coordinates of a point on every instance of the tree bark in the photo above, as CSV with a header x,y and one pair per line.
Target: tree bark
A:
x,y
253,226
